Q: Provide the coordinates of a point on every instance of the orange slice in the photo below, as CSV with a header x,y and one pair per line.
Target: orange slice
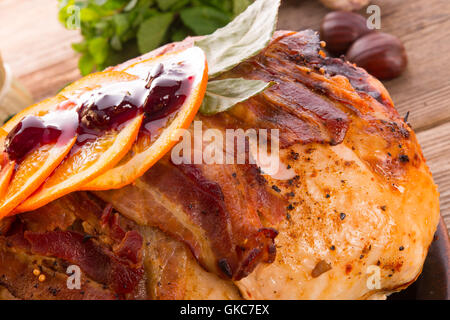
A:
x,y
38,109
95,80
18,182
7,166
147,151
75,89
81,166
31,173
5,176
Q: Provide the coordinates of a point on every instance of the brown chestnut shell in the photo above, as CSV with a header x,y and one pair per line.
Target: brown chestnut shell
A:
x,y
382,55
339,29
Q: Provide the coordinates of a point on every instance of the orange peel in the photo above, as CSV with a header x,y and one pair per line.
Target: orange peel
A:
x,y
146,152
85,164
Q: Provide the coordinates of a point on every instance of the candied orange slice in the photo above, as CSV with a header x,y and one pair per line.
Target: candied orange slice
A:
x,y
73,90
165,132
38,109
95,80
31,173
5,176
19,181
85,163
6,166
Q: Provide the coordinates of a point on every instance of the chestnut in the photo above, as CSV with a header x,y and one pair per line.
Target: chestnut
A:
x,y
382,55
339,29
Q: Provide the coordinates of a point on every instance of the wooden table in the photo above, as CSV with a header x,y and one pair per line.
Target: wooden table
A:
x,y
38,50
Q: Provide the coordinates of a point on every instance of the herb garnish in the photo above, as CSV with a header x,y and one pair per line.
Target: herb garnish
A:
x,y
241,39
117,30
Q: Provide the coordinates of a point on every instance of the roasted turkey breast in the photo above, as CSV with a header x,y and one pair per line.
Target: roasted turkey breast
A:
x,y
359,201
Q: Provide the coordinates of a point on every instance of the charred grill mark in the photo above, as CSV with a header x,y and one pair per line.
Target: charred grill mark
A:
x,y
308,56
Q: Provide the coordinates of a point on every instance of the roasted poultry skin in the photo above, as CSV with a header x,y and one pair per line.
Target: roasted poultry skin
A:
x,y
360,196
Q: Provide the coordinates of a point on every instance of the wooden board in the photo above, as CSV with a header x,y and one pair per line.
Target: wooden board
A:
x,y
36,46
38,50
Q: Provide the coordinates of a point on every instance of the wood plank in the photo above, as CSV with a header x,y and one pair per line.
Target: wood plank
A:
x,y
36,45
436,148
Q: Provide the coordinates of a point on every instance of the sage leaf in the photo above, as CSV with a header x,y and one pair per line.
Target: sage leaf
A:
x,y
242,38
152,31
221,95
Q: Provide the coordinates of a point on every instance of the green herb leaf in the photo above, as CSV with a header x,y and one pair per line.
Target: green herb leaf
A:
x,y
221,95
242,38
120,27
180,34
86,64
80,46
180,5
121,23
116,44
164,5
153,31
98,48
130,5
88,14
204,20
240,5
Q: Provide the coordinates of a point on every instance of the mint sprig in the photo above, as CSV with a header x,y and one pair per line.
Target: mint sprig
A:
x,y
117,30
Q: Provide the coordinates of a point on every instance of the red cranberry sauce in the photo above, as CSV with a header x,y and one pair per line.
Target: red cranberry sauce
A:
x,y
33,131
161,94
30,132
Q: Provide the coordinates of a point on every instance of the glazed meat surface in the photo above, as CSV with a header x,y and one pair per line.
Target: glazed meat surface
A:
x,y
358,194
118,259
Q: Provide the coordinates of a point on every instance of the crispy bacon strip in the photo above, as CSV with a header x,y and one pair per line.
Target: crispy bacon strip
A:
x,y
217,216
108,251
16,275
101,265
